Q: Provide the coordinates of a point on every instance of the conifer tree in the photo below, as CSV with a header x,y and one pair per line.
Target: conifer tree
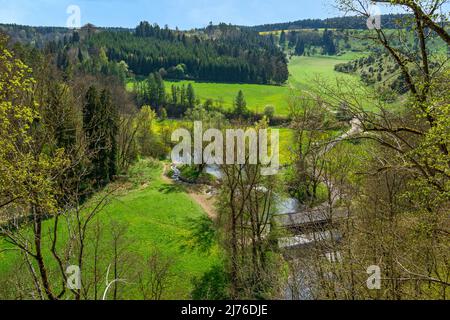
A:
x,y
300,47
100,124
190,95
282,39
240,105
328,43
110,114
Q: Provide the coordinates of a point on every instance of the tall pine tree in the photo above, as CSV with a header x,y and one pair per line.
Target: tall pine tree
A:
x,y
282,39
111,116
190,95
329,46
240,105
100,124
300,47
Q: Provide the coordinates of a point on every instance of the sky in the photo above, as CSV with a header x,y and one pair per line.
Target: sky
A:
x,y
184,14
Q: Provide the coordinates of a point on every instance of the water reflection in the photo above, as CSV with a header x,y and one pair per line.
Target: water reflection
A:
x,y
287,205
214,170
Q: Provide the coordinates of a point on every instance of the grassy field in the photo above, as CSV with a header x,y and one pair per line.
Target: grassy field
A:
x,y
257,96
286,141
156,214
303,70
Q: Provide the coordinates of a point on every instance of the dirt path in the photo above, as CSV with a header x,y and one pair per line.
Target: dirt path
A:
x,y
197,193
165,178
204,200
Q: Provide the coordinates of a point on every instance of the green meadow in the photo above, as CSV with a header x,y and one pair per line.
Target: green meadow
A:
x,y
257,96
156,215
303,72
286,140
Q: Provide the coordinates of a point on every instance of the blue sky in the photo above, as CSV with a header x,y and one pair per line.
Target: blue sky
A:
x,y
182,13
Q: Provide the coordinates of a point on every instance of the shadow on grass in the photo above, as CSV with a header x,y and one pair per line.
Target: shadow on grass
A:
x,y
212,285
201,236
170,188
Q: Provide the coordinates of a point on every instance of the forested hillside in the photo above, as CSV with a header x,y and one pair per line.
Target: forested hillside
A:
x,y
223,53
390,21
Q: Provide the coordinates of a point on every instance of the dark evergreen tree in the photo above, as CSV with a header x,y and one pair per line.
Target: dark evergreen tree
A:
x,y
153,92
91,112
300,47
160,91
329,46
293,38
174,91
240,105
63,60
282,39
75,37
100,124
183,96
80,55
111,128
190,96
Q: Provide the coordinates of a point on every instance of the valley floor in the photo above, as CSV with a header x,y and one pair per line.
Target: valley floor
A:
x,y
303,73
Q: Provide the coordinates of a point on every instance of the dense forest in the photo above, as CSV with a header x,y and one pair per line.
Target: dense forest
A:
x,y
39,37
223,53
390,21
310,42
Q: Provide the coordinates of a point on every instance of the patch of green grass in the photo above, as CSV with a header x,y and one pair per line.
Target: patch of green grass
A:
x,y
257,96
286,144
224,94
158,216
317,74
305,70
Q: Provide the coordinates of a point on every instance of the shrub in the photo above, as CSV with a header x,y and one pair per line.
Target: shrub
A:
x,y
212,285
269,111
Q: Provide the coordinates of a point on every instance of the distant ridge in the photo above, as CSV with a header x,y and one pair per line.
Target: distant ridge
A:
x,y
389,21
